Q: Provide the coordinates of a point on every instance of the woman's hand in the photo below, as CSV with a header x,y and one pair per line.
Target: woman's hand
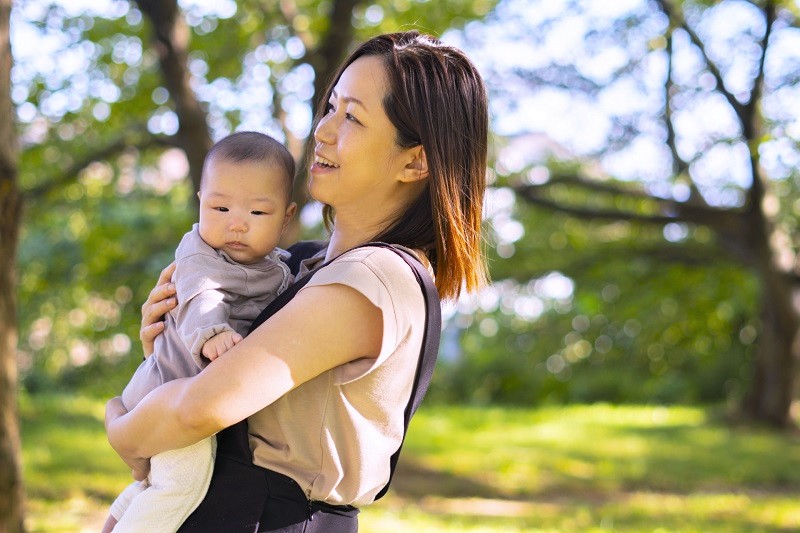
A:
x,y
161,300
140,467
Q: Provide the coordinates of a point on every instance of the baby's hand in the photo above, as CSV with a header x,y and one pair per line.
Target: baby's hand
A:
x,y
220,343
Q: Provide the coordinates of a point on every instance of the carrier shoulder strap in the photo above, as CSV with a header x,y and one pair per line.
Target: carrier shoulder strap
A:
x,y
299,251
428,352
302,250
430,342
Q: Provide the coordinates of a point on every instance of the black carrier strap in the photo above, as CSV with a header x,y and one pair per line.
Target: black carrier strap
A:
x,y
430,342
303,250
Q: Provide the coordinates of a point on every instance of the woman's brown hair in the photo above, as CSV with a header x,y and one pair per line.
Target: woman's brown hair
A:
x,y
436,99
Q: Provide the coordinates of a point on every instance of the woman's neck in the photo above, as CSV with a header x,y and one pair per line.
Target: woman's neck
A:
x,y
347,236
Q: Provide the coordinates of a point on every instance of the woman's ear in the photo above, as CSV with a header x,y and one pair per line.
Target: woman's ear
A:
x,y
417,168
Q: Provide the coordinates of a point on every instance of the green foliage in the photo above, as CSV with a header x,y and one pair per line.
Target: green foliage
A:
x,y
85,268
629,115
645,320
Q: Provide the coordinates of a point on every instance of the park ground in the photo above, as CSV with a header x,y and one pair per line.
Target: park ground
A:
x,y
598,468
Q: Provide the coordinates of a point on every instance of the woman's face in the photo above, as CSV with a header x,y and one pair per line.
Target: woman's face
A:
x,y
358,165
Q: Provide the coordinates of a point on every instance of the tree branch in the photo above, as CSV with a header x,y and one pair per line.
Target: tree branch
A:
x,y
751,107
751,122
171,42
680,167
677,20
687,253
106,152
529,194
722,220
591,185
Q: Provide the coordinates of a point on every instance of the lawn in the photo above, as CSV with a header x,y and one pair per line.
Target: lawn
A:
x,y
593,468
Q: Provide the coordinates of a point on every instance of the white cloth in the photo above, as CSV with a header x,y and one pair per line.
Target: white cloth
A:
x,y
177,484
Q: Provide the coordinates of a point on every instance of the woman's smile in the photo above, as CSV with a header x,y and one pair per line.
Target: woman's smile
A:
x,y
322,161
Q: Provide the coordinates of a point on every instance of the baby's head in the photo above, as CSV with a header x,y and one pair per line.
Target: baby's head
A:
x,y
245,195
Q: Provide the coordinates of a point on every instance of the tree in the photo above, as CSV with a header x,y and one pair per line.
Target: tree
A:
x,y
730,173
11,495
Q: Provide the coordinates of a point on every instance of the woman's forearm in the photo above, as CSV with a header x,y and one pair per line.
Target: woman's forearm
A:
x,y
158,423
264,366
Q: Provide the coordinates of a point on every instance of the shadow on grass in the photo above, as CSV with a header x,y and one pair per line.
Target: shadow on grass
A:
x,y
460,499
413,480
712,457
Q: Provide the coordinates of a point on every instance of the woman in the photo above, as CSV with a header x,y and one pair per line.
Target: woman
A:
x,y
400,157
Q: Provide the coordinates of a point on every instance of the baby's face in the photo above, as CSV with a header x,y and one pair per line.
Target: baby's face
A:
x,y
243,208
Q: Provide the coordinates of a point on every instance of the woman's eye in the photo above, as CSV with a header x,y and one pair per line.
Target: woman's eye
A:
x,y
329,108
348,116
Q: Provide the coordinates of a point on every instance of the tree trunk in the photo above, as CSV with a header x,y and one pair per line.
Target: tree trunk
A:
x,y
769,396
171,41
11,494
753,242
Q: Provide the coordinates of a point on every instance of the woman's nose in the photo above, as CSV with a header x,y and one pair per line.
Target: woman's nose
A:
x,y
324,132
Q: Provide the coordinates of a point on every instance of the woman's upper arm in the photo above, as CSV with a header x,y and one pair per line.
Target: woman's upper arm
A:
x,y
322,327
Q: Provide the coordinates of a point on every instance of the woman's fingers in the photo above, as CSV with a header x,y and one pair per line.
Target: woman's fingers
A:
x,y
140,468
152,321
163,290
166,274
148,336
160,301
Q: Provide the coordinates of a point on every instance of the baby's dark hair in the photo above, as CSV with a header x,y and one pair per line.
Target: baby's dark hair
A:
x,y
252,146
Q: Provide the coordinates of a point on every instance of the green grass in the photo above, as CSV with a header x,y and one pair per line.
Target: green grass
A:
x,y
71,474
571,469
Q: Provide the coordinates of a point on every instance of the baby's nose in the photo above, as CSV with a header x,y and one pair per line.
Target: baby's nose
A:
x,y
238,225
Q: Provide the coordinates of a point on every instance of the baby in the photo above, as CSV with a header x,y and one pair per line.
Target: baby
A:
x,y
228,267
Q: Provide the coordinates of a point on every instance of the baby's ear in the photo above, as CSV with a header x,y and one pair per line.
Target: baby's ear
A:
x,y
417,168
290,211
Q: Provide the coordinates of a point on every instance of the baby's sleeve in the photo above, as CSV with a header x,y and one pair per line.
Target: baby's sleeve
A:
x,y
203,311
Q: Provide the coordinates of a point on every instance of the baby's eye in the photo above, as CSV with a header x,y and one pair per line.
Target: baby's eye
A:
x,y
221,209
257,213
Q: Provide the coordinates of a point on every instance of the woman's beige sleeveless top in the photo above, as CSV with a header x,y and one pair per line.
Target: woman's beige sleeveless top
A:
x,y
334,435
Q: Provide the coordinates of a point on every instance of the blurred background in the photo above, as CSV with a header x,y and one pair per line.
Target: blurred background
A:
x,y
641,224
